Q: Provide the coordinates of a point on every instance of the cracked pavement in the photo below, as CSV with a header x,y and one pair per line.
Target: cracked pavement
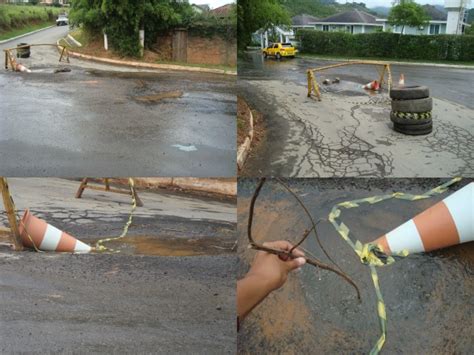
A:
x,y
349,133
138,300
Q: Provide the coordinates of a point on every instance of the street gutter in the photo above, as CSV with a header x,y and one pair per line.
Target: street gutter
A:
x,y
439,65
25,34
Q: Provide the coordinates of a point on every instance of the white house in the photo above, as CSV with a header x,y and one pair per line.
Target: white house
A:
x,y
451,21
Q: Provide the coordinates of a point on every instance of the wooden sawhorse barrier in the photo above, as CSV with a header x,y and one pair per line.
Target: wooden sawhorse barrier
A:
x,y
10,211
106,181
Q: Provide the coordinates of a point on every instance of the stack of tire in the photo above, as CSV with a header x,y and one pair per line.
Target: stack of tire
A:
x,y
411,110
23,52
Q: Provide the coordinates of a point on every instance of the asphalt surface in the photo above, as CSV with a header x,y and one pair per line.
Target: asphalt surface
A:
x,y
156,295
349,133
90,121
428,296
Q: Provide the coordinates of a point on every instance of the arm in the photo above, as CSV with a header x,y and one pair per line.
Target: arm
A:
x,y
267,273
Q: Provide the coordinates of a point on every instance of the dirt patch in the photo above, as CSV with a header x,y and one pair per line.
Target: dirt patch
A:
x,y
243,123
160,96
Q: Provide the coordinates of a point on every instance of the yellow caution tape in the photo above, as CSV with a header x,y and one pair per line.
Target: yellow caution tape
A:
x,y
372,255
98,245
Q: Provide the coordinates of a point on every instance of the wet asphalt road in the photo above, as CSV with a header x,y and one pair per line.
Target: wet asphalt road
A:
x,y
134,301
428,296
349,133
445,83
90,122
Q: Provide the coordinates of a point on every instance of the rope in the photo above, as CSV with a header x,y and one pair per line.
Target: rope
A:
x,y
372,255
99,245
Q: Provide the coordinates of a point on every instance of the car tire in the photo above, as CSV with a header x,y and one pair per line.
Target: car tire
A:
x,y
405,119
413,106
409,92
278,56
414,130
265,55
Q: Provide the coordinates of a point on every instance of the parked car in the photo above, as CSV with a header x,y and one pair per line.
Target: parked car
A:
x,y
279,50
62,20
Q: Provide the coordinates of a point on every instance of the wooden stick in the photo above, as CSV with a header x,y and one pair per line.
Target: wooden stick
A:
x,y
10,210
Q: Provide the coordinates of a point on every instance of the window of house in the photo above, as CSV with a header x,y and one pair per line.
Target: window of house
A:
x,y
434,29
326,28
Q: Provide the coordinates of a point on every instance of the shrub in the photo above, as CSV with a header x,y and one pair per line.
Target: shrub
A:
x,y
388,45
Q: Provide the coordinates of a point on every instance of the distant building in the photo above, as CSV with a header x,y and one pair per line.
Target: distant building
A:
x,y
223,11
200,9
451,21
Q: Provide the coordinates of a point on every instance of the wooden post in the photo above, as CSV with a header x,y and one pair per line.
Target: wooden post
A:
x,y
382,75
310,89
107,188
6,60
10,210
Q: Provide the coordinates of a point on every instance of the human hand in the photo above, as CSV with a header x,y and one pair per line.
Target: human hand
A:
x,y
273,270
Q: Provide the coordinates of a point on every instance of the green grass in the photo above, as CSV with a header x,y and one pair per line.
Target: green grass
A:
x,y
20,31
25,17
330,57
209,66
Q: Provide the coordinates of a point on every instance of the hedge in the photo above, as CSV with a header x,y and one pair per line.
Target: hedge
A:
x,y
388,45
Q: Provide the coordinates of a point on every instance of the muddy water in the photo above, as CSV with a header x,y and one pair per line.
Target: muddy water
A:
x,y
170,246
428,296
156,246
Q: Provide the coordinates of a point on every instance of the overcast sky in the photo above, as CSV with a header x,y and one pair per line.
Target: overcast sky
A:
x,y
212,3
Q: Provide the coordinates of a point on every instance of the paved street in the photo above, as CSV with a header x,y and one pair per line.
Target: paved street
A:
x,y
171,286
97,119
316,309
349,133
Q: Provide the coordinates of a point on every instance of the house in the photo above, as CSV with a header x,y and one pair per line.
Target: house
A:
x,y
200,9
223,11
354,21
303,21
450,21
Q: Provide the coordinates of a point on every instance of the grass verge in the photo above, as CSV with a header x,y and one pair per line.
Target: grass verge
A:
x,y
23,30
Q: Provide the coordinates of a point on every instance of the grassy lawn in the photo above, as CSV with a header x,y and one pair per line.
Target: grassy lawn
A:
x,y
329,57
26,29
18,19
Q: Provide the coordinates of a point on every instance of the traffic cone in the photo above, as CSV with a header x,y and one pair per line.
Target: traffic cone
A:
x,y
401,81
373,85
447,223
21,68
47,237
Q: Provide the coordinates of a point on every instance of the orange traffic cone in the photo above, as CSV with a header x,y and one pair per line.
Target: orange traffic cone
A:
x,y
21,68
401,81
447,223
373,85
48,238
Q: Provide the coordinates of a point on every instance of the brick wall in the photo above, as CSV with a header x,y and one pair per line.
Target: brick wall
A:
x,y
215,50
200,50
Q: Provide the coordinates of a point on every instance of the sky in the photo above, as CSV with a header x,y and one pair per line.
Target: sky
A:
x,y
212,3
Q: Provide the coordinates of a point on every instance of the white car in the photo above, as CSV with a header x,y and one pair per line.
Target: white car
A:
x,y
62,20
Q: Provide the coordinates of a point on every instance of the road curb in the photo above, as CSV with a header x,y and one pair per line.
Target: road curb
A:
x,y
439,65
244,148
25,34
150,65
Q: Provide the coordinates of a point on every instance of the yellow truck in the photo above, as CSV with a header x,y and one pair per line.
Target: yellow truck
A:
x,y
280,50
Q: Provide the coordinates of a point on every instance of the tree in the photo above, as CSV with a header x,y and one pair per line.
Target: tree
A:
x,y
407,13
258,14
123,19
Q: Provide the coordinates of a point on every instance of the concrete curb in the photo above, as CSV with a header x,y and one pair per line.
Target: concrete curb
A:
x,y
244,148
439,65
75,41
25,34
150,65
224,187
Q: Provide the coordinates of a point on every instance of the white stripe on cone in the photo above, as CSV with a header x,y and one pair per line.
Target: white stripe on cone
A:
x,y
35,231
447,223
